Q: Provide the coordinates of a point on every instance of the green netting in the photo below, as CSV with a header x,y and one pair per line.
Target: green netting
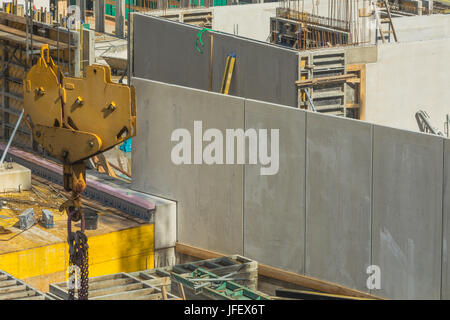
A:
x,y
217,3
111,10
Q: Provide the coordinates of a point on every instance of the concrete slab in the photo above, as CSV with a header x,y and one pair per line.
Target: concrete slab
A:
x,y
338,199
407,213
14,177
274,220
209,197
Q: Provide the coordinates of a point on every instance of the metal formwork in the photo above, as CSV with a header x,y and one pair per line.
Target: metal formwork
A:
x,y
15,289
328,97
119,286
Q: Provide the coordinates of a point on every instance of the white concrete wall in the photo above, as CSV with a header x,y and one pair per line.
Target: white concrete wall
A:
x,y
253,20
420,28
250,21
406,78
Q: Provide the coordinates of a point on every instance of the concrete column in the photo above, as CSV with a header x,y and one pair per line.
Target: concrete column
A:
x,y
419,7
430,6
120,18
88,48
77,54
82,5
99,13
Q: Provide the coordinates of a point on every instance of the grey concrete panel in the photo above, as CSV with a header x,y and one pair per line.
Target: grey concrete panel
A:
x,y
263,72
168,54
165,51
274,220
407,213
446,224
338,199
209,197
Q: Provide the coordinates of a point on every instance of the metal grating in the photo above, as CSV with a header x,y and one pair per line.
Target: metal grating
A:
x,y
15,289
119,286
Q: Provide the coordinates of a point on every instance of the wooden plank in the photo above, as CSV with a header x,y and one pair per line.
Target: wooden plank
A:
x,y
323,80
362,93
109,283
16,295
164,292
17,39
117,289
312,295
21,33
12,18
13,289
182,291
39,297
154,296
8,283
275,273
126,295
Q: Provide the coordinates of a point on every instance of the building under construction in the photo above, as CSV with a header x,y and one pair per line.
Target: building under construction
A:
x,y
224,150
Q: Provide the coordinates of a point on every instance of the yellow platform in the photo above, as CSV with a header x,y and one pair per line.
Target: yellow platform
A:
x,y
39,256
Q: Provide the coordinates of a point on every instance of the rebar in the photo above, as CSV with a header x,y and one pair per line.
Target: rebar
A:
x,y
337,23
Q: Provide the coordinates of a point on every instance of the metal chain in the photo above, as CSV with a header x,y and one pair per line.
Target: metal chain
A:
x,y
78,256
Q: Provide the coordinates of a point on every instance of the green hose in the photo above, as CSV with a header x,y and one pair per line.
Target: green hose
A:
x,y
199,39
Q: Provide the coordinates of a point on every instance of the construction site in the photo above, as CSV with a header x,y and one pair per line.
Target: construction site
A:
x,y
224,150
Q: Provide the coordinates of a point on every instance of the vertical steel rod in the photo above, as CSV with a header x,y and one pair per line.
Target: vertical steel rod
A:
x,y
11,138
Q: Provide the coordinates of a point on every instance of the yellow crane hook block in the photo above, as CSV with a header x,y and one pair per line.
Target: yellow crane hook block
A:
x,y
42,93
77,118
97,105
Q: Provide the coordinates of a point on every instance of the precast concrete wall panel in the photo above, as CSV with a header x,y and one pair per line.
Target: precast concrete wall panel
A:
x,y
407,213
347,194
262,72
209,197
446,224
274,205
166,51
338,199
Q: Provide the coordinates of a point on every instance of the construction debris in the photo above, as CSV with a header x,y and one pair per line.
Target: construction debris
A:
x,y
27,219
47,219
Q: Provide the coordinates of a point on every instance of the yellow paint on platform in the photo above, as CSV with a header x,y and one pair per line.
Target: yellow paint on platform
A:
x,y
121,251
39,256
125,250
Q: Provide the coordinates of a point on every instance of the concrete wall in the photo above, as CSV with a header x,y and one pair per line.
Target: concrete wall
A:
x,y
446,224
406,78
338,199
422,28
250,21
168,53
274,206
407,212
216,193
348,194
